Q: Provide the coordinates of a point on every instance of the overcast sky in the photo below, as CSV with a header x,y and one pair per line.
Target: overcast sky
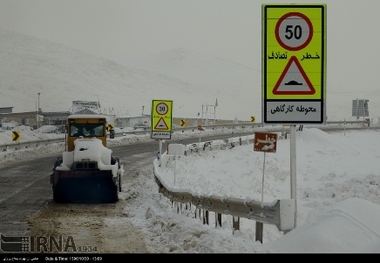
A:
x,y
228,29
118,29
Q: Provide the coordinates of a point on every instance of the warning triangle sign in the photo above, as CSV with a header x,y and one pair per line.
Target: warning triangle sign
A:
x,y
161,125
293,80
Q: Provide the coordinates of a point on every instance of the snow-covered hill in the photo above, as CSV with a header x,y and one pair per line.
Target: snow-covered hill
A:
x,y
62,74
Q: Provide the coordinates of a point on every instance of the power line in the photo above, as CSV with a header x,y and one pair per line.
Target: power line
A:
x,y
374,91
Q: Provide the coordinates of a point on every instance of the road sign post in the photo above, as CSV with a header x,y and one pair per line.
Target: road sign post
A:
x,y
294,69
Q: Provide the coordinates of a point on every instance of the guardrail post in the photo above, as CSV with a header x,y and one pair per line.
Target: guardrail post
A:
x,y
179,208
259,231
197,213
206,217
235,223
218,219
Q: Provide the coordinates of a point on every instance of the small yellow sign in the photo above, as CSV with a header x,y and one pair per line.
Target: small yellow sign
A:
x,y
161,115
16,136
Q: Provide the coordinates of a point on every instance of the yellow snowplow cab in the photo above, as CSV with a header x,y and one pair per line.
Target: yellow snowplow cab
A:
x,y
86,126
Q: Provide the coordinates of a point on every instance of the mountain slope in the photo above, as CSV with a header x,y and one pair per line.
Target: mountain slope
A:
x,y
62,74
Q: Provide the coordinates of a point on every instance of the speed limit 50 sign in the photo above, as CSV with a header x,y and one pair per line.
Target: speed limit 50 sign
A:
x,y
161,119
294,63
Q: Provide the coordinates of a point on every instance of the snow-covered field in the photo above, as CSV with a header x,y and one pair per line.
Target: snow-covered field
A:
x,y
338,195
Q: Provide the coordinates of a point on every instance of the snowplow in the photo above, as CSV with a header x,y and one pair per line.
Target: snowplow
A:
x,y
86,171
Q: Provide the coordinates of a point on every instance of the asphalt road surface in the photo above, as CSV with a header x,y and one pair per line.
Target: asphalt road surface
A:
x,y
27,207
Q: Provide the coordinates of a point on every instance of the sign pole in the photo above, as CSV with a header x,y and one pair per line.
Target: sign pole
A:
x,y
264,142
175,167
159,150
262,181
293,171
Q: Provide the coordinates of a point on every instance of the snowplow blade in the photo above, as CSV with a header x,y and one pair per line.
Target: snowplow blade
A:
x,y
86,186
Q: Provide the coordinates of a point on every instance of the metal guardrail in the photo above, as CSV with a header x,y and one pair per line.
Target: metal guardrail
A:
x,y
29,144
243,125
280,213
269,213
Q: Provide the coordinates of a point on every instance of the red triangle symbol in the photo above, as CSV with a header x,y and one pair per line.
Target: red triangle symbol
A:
x,y
161,125
293,80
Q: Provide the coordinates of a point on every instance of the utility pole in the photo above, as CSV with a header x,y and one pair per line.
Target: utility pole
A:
x,y
142,115
38,110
